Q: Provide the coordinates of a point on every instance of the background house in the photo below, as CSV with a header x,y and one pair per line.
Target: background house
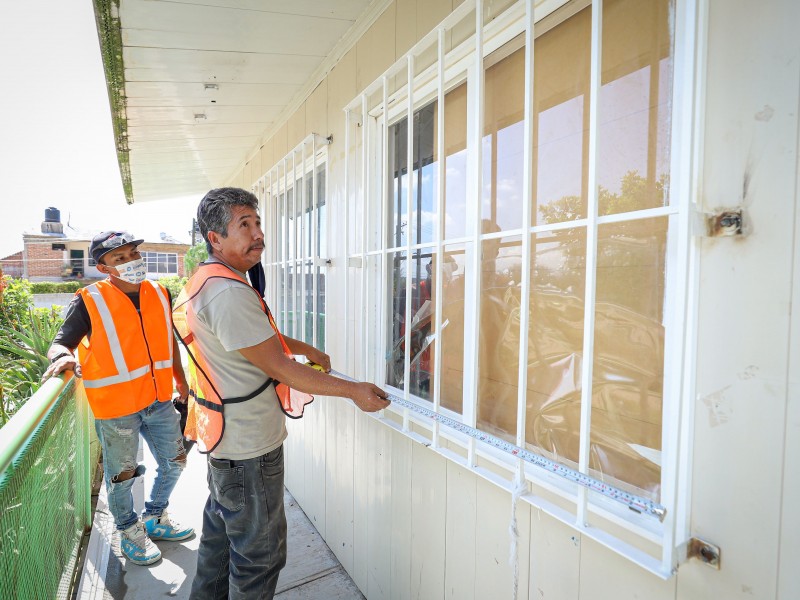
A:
x,y
57,252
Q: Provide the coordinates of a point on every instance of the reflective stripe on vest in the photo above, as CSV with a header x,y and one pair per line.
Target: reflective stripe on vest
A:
x,y
116,348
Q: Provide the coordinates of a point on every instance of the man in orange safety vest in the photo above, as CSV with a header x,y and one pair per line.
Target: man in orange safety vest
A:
x,y
128,358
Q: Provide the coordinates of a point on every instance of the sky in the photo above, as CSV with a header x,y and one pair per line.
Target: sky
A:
x,y
56,139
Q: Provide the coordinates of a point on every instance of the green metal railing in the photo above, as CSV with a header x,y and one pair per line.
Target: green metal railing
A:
x,y
48,453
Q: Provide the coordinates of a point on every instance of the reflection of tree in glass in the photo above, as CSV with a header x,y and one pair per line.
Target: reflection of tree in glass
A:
x,y
630,253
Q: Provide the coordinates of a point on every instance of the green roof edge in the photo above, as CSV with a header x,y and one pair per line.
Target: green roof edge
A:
x,y
110,36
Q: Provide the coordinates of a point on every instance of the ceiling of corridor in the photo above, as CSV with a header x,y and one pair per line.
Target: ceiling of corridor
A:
x,y
202,81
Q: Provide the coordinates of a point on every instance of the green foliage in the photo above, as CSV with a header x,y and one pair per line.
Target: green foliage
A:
x,y
174,284
23,358
195,255
16,302
57,287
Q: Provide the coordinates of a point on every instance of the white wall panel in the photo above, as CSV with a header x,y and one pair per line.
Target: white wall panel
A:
x,y
461,521
428,519
553,578
400,539
605,575
739,446
339,481
379,511
788,573
362,468
493,574
315,462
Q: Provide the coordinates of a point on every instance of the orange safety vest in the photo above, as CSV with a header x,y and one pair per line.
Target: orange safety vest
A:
x,y
205,422
127,364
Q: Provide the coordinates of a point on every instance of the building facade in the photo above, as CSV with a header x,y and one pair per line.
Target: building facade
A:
x,y
570,228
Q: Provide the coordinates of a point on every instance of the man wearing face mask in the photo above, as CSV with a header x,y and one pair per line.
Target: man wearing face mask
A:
x,y
128,358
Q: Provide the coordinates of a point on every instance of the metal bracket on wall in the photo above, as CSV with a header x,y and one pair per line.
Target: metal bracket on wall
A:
x,y
704,552
725,223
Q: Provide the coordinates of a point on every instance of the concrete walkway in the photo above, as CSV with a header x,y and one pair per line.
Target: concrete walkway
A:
x,y
312,571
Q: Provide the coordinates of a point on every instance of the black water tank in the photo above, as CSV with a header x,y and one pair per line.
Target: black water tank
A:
x,y
52,215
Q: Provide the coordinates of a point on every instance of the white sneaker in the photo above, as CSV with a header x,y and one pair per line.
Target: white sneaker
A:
x,y
137,547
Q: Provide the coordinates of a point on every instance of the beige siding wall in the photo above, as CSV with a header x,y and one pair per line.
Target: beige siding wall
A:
x,y
405,522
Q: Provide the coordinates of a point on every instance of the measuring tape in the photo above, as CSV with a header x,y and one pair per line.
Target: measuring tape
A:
x,y
633,502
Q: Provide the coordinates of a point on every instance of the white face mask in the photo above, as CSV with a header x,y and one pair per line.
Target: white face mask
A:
x,y
131,272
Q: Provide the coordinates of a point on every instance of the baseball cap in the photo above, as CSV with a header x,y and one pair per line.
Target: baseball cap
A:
x,y
107,241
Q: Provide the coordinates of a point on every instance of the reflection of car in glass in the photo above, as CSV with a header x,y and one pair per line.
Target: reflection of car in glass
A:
x,y
626,390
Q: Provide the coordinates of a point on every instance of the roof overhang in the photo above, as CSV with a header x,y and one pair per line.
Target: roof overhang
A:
x,y
195,89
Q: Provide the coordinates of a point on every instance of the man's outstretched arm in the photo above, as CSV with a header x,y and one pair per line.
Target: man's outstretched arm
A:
x,y
269,357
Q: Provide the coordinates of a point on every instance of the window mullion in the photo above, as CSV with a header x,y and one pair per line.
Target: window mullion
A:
x,y
472,321
346,240
527,195
409,200
382,316
302,250
365,354
314,244
682,278
286,268
591,261
437,357
298,250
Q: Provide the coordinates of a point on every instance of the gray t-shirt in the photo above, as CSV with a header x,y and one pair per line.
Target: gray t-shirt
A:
x,y
226,316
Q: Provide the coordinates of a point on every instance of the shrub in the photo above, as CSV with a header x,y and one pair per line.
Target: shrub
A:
x,y
17,302
23,358
57,287
174,284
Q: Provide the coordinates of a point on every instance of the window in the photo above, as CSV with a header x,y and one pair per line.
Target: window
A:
x,y
295,220
161,263
529,269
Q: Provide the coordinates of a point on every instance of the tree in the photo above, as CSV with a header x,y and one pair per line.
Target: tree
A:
x,y
194,256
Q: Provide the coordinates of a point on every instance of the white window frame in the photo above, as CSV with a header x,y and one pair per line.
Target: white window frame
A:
x,y
150,253
657,546
302,163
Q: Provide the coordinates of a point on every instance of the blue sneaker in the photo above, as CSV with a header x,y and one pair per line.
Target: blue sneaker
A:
x,y
137,547
163,528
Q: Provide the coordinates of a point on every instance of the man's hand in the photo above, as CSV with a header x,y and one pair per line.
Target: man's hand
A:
x,y
183,390
65,363
320,358
369,397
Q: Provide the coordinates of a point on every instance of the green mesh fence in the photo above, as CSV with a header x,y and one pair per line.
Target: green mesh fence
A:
x,y
45,492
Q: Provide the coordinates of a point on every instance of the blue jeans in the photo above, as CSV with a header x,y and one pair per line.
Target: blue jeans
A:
x,y
243,546
119,438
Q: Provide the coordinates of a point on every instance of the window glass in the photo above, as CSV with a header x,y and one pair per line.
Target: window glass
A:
x,y
634,105
397,210
452,330
555,343
422,326
561,121
455,162
504,103
423,204
161,263
628,372
498,341
396,352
